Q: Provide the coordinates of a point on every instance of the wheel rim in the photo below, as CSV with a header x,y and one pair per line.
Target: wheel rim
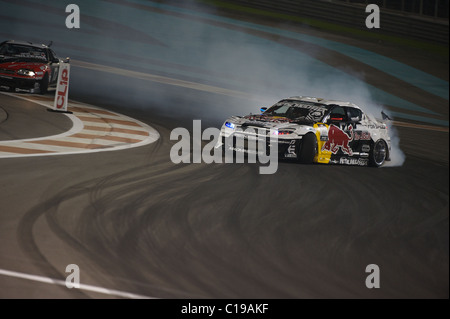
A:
x,y
379,153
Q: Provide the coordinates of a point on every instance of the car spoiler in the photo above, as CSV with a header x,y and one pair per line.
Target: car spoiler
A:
x,y
384,116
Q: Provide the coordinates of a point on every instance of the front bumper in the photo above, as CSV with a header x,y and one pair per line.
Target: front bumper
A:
x,y
20,83
286,147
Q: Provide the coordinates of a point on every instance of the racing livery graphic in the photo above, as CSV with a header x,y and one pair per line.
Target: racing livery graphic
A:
x,y
25,66
312,130
338,139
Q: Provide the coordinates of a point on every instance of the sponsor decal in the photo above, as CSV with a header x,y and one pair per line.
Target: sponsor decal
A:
x,y
62,89
353,161
338,139
315,115
31,55
291,151
311,107
364,154
365,148
256,119
361,135
323,132
376,126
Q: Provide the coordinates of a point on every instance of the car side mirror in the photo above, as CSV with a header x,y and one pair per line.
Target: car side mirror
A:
x,y
66,60
263,109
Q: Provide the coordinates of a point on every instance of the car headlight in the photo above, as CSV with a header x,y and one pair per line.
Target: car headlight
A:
x,y
282,132
26,72
230,125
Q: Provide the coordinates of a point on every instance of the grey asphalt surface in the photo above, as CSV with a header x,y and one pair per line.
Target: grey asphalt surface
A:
x,y
135,222
20,122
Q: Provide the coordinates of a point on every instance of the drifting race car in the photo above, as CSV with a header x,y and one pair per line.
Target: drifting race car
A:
x,y
27,66
312,130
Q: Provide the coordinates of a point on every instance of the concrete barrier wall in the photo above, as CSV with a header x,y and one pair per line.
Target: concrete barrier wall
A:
x,y
354,15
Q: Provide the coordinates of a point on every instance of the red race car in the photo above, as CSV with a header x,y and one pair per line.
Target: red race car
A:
x,y
25,66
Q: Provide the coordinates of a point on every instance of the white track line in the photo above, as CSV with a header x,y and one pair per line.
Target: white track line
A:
x,y
52,281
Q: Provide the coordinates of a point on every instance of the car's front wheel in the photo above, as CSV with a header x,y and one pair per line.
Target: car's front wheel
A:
x,y
308,149
43,85
378,154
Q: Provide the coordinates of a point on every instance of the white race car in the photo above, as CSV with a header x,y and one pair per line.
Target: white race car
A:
x,y
311,130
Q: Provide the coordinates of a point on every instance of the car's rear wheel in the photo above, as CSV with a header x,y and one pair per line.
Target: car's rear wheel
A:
x,y
43,85
378,154
307,149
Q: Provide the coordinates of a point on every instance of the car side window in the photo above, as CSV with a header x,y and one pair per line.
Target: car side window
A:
x,y
355,115
52,56
338,114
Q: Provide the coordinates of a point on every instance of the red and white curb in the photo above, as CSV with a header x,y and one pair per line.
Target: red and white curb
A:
x,y
94,130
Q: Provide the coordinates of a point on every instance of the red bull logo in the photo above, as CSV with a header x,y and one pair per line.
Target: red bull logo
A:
x,y
337,138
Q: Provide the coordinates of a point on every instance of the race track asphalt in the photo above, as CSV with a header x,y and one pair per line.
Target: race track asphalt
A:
x,y
137,222
133,221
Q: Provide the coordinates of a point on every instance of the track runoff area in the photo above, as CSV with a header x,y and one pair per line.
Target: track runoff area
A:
x,y
94,129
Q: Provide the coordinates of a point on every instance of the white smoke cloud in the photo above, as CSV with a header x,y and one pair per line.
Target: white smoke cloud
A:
x,y
397,155
266,70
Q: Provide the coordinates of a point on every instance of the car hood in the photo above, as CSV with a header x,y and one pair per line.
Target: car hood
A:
x,y
267,122
15,66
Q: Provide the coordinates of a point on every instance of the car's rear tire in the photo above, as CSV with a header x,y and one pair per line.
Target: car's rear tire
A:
x,y
307,149
378,153
43,85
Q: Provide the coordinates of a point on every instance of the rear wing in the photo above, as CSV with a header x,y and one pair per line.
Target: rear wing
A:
x,y
385,117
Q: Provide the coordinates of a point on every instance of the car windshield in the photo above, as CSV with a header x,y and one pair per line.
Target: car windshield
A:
x,y
22,52
297,110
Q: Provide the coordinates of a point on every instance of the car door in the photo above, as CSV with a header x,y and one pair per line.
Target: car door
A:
x,y
340,132
361,136
54,67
